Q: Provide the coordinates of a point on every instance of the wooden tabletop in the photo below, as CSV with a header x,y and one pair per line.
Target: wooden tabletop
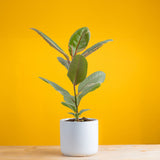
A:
x,y
108,152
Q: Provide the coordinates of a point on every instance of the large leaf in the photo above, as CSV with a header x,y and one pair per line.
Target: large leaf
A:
x,y
69,106
95,47
78,69
51,42
87,90
63,62
83,110
96,77
79,40
67,97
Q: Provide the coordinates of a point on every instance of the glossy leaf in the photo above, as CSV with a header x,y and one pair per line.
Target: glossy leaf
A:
x,y
79,40
78,69
51,42
95,47
67,97
87,90
63,62
96,77
69,106
83,110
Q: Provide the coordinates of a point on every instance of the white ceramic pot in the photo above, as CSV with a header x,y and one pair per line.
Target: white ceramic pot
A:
x,y
79,138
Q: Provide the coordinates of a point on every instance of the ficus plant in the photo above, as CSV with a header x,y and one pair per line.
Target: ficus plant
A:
x,y
76,69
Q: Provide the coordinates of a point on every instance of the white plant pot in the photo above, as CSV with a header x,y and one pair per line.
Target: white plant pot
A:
x,y
79,138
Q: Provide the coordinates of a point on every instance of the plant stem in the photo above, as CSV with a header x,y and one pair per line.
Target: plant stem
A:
x,y
75,95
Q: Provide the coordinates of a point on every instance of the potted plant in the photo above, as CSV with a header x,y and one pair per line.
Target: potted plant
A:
x,y
78,136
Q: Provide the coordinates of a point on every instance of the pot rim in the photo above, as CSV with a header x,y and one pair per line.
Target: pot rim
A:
x,y
64,120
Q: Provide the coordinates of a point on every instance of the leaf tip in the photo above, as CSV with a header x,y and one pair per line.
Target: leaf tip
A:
x,y
33,29
45,80
108,40
41,78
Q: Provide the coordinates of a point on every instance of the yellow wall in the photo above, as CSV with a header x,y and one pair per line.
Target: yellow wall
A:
x,y
127,104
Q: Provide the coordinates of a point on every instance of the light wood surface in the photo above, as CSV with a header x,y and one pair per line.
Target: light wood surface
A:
x,y
108,152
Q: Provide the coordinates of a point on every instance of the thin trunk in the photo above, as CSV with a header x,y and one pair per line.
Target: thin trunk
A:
x,y
77,117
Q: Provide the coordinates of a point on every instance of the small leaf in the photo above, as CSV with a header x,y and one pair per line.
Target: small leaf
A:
x,y
79,40
96,77
69,106
67,97
95,47
51,42
78,69
87,90
72,114
83,110
63,62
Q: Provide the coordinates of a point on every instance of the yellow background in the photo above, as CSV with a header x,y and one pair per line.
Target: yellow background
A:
x,y
127,104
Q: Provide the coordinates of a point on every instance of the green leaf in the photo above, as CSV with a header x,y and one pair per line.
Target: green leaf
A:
x,y
67,97
63,62
51,42
79,41
96,77
95,47
87,90
90,84
69,106
72,114
83,110
78,69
